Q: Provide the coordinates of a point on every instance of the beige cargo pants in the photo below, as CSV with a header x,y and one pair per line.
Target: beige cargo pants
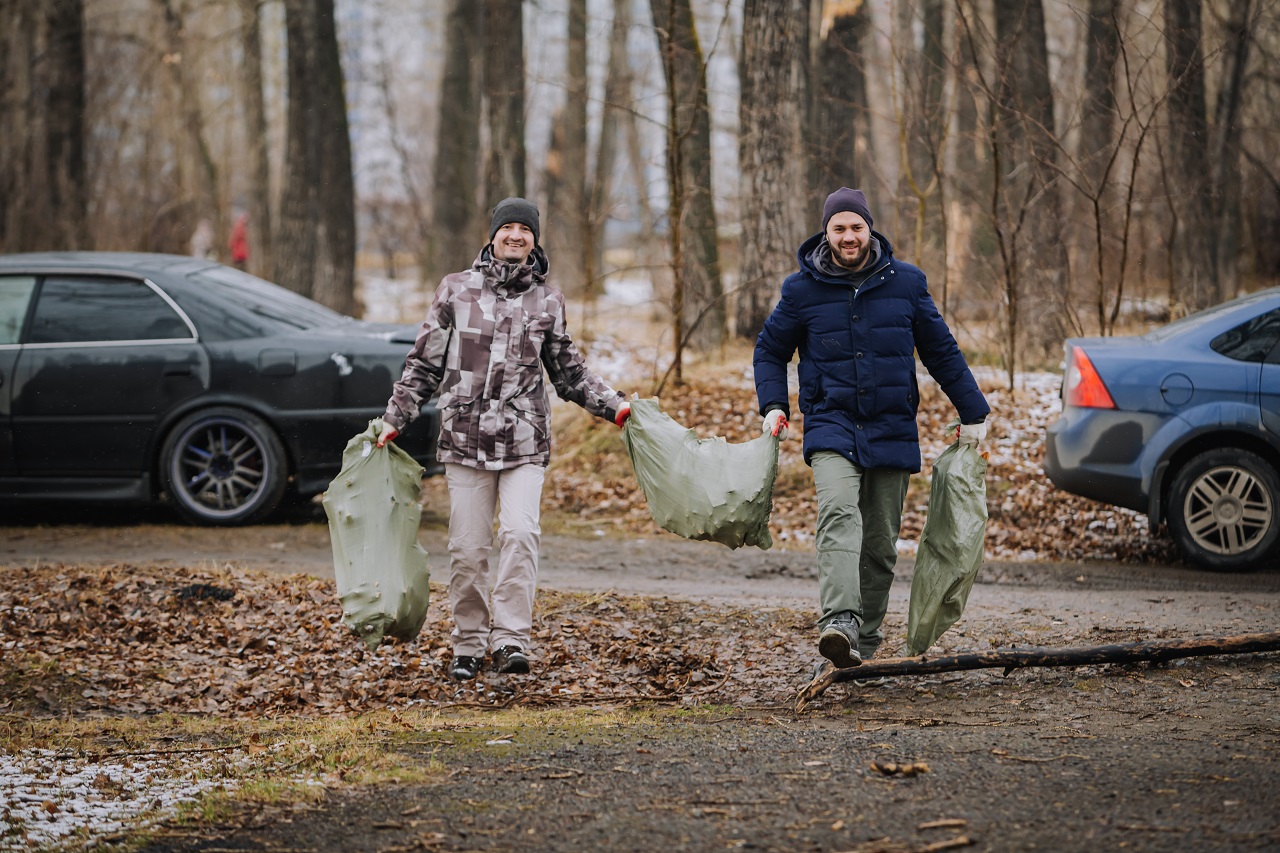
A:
x,y
482,620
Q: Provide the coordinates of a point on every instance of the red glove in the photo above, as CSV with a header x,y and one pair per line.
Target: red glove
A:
x,y
624,412
388,434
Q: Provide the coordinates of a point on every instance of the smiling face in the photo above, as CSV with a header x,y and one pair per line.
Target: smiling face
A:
x,y
513,242
850,239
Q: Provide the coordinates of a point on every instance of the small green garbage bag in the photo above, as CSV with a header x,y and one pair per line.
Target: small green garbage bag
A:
x,y
703,488
373,513
951,545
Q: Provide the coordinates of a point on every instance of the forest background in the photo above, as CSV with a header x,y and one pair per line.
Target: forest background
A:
x,y
1057,167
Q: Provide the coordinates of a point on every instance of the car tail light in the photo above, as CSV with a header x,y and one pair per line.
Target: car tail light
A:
x,y
1084,386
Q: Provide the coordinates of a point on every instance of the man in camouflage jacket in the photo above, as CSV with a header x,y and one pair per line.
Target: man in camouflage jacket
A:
x,y
489,335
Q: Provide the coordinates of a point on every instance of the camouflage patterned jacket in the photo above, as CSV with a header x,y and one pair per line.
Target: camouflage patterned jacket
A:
x,y
488,335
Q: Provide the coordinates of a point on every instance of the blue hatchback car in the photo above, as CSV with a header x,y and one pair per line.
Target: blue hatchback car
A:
x,y
1182,423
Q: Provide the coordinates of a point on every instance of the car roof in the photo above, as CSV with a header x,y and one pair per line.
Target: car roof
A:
x,y
135,262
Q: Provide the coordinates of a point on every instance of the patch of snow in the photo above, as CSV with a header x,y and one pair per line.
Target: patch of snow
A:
x,y
48,799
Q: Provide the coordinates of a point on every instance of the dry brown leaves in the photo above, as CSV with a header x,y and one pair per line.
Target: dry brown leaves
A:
x,y
143,640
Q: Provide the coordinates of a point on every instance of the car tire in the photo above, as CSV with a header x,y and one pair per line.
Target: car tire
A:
x,y
1224,510
223,466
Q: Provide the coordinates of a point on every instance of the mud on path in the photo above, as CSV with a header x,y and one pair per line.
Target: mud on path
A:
x,y
1182,756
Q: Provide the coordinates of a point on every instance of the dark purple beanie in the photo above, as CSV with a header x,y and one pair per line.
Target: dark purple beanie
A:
x,y
845,199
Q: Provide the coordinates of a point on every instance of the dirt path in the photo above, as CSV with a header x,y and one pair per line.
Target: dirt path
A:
x,y
1181,756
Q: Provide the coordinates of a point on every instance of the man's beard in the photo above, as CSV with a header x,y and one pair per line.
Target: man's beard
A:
x,y
852,263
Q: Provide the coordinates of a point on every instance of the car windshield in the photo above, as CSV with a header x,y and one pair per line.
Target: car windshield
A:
x,y
1193,321
237,304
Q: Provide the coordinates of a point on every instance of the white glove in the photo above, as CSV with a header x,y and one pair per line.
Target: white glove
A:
x,y
775,423
972,434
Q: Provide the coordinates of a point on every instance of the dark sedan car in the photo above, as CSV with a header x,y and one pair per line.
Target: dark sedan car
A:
x,y
132,377
1183,424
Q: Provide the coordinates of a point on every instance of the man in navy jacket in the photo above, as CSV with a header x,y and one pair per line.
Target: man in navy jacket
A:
x,y
857,315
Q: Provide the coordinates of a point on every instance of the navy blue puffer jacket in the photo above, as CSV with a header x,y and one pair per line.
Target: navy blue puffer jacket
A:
x,y
857,368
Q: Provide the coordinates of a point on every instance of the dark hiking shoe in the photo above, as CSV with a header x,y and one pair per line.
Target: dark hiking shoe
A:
x,y
464,668
510,659
838,642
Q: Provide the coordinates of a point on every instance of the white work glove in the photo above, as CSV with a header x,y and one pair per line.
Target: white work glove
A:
x,y
388,433
972,434
775,423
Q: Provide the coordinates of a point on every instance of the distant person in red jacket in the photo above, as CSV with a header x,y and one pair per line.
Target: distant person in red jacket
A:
x,y
239,242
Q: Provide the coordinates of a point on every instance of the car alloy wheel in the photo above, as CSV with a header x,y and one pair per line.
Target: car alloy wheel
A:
x,y
223,466
1224,507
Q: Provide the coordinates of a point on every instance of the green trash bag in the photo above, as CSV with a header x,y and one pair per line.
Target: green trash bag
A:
x,y
702,488
373,513
951,545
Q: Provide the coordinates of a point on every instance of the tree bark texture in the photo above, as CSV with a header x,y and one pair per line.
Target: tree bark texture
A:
x,y
1224,144
692,210
255,131
772,75
1030,199
617,96
1188,146
504,99
316,250
839,126
459,219
43,201
564,232
198,173
1011,659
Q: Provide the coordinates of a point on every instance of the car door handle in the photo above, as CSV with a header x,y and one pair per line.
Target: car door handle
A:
x,y
177,368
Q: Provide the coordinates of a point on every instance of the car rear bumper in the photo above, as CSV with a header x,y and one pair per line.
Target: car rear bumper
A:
x,y
1098,454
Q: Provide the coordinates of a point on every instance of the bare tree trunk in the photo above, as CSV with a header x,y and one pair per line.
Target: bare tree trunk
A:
x,y
504,99
1224,148
839,126
696,254
564,233
296,238
255,129
200,184
617,91
1188,146
1030,201
335,271
43,203
457,217
771,158
316,250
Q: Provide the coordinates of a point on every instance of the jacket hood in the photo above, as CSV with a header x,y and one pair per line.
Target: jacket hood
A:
x,y
805,255
518,276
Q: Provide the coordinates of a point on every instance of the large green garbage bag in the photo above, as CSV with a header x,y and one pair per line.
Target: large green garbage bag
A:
x,y
951,545
702,488
373,513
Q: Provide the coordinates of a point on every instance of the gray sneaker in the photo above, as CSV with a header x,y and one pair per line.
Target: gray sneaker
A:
x,y
838,642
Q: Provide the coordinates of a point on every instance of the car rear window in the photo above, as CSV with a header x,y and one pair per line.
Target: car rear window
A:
x,y
1251,341
234,304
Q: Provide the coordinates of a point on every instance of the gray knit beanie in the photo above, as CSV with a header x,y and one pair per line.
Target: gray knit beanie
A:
x,y
845,199
515,210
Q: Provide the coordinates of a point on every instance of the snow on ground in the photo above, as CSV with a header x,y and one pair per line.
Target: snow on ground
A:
x,y
47,799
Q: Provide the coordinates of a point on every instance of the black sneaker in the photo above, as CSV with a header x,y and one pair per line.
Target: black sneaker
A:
x,y
510,659
838,642
464,667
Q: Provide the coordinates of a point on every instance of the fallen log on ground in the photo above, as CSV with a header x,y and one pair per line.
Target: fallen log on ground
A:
x,y
1011,659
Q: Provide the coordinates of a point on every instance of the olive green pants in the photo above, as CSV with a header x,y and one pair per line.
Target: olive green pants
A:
x,y
859,518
